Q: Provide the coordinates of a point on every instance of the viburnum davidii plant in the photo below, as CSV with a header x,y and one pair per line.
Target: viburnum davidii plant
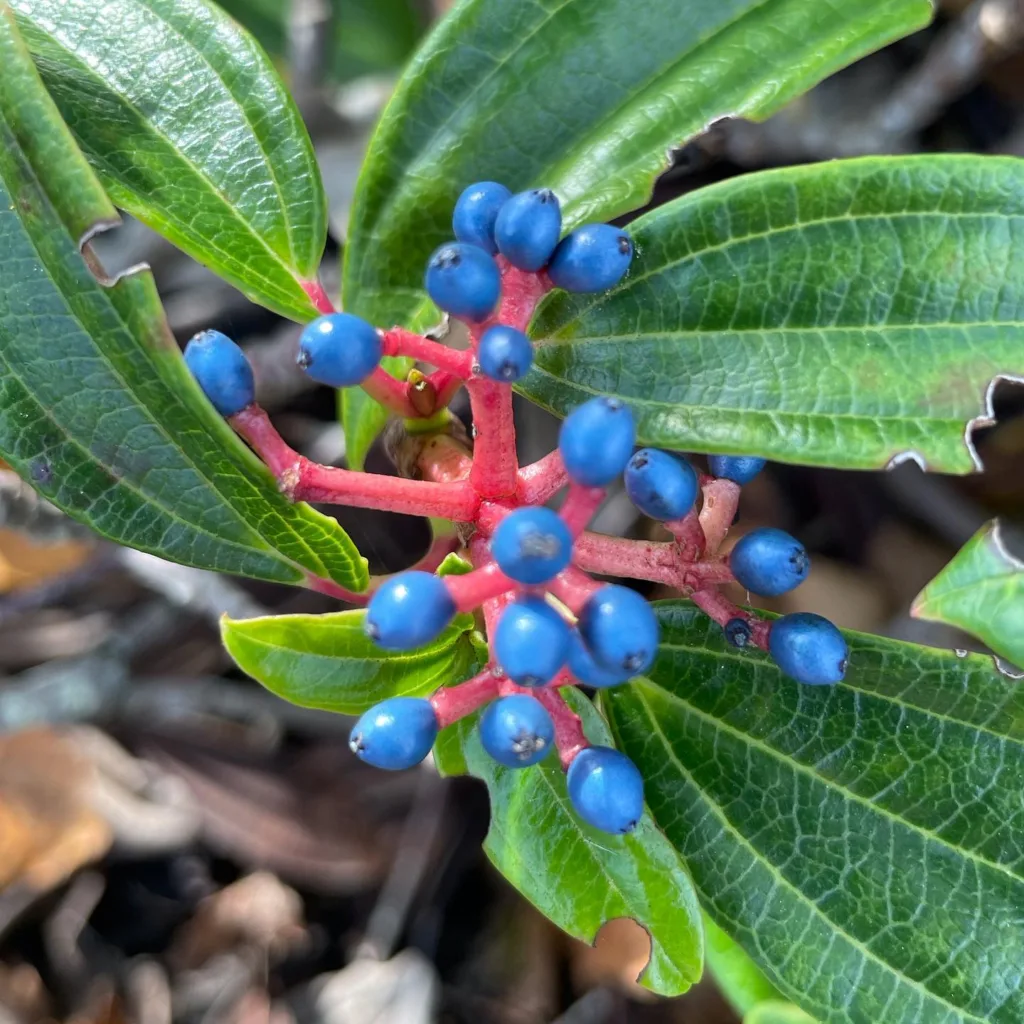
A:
x,y
829,819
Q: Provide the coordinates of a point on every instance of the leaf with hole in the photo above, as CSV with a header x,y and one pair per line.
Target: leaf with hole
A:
x,y
97,409
848,314
190,129
862,842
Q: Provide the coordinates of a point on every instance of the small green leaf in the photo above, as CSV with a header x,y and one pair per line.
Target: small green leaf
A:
x,y
847,314
363,417
328,661
97,409
741,981
982,592
190,129
779,1012
576,876
862,842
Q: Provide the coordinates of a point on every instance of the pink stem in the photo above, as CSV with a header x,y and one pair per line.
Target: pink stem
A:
x,y
302,480
452,703
657,561
494,438
541,480
573,588
491,513
579,507
399,342
318,296
721,498
471,590
331,589
689,535
720,609
445,386
569,736
391,393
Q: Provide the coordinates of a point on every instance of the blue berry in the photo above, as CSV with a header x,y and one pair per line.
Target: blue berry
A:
x,y
741,469
619,629
531,545
463,280
596,441
769,562
587,671
808,648
737,632
222,371
475,212
408,610
505,354
340,350
528,227
592,258
396,733
517,731
606,789
531,641
662,486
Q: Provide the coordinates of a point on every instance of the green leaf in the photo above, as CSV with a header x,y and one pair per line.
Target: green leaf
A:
x,y
363,417
982,592
576,876
328,661
97,409
741,981
585,98
190,129
863,842
849,314
779,1012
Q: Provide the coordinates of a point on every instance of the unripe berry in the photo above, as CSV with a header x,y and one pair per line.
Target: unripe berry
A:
x,y
397,733
737,632
587,671
769,562
504,354
528,227
408,610
808,648
531,545
606,789
517,731
339,350
222,371
463,280
475,212
741,469
661,485
592,258
620,630
596,441
531,641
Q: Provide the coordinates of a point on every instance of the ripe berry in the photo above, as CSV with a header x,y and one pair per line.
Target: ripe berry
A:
x,y
587,671
531,641
769,562
463,280
222,371
808,648
619,629
517,731
408,611
475,212
596,441
505,354
737,632
741,469
528,227
531,545
606,789
592,258
339,350
397,733
662,486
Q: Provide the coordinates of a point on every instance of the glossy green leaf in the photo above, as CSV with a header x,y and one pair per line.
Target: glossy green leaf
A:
x,y
863,842
741,981
586,98
328,661
576,876
849,314
779,1012
190,129
97,409
982,592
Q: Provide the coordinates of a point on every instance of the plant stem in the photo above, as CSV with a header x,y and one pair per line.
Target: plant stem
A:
x,y
494,439
573,588
452,703
318,296
391,393
657,561
689,535
399,342
474,588
569,736
541,480
579,507
721,498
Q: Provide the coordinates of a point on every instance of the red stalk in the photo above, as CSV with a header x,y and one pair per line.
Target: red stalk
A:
x,y
579,507
318,296
721,498
569,736
541,480
399,342
452,703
